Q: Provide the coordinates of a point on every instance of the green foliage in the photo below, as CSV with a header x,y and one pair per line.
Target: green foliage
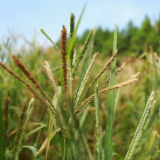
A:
x,y
140,128
1,130
132,40
29,110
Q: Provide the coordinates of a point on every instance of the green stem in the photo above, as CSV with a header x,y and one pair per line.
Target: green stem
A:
x,y
64,151
71,85
29,110
110,109
1,130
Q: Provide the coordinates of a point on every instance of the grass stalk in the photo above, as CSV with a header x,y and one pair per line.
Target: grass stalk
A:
x,y
35,130
6,119
64,63
1,131
30,77
100,73
110,107
83,51
63,57
98,126
85,80
140,128
132,80
50,126
49,74
29,110
44,145
71,43
85,65
64,149
118,71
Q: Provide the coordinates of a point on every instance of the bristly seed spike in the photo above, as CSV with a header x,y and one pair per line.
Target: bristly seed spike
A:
x,y
64,63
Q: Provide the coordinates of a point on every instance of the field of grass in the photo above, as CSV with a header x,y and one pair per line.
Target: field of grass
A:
x,y
69,103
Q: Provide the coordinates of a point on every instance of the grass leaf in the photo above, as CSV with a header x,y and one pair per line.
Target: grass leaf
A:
x,y
98,126
34,151
83,51
43,146
46,35
29,110
1,131
50,126
110,107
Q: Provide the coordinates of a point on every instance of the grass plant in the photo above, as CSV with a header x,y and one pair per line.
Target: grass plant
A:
x,y
68,101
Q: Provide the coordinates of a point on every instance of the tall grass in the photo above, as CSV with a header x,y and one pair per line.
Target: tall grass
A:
x,y
68,101
29,110
1,130
110,110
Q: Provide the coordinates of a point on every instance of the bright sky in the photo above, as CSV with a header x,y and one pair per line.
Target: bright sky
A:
x,y
26,17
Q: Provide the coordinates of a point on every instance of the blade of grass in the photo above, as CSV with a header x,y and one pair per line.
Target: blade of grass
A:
x,y
46,35
98,126
110,109
87,147
83,51
51,120
44,145
116,99
34,151
29,110
1,131
97,104
35,130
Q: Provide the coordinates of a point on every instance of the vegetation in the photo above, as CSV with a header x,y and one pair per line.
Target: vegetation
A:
x,y
132,41
77,112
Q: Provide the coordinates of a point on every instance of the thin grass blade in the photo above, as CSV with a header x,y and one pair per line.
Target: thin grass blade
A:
x,y
50,126
43,146
1,131
110,109
98,126
29,110
83,51
47,36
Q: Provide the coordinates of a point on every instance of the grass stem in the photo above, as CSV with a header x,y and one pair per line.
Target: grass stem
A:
x,y
110,107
